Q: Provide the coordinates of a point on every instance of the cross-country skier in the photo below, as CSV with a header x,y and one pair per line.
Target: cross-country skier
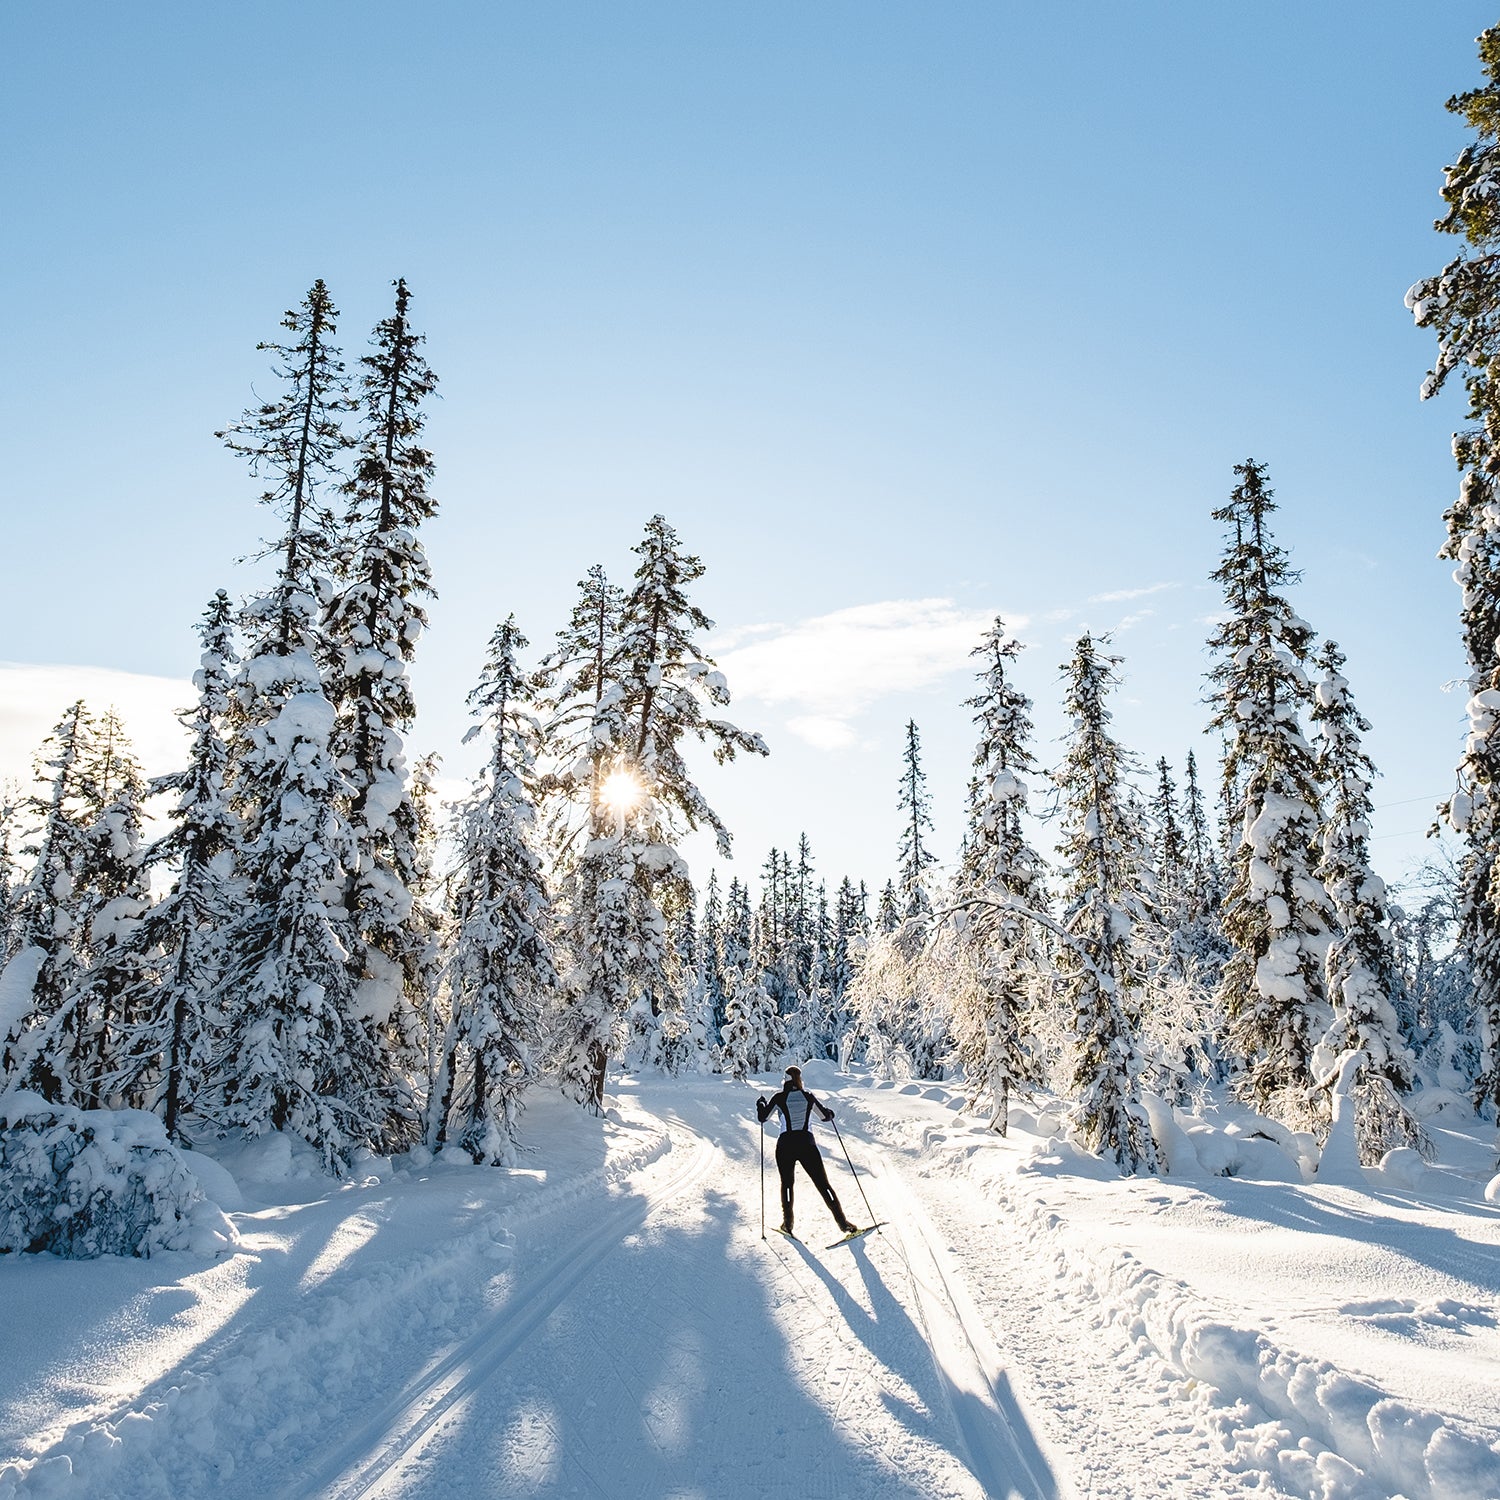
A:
x,y
796,1144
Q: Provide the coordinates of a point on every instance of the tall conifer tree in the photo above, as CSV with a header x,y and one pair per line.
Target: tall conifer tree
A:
x,y
500,971
296,1057
1363,977
1458,304
1102,906
914,859
1000,876
374,623
180,940
1277,914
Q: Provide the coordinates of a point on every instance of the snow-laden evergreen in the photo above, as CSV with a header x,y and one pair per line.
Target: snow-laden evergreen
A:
x,y
1100,858
1201,938
112,891
914,860
1277,914
665,692
753,1038
1363,977
1181,1021
373,624
1001,879
293,1056
296,442
10,875
1458,304
500,973
55,1034
578,698
711,955
174,1022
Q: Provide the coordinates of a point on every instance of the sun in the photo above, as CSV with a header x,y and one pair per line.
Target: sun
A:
x,y
622,792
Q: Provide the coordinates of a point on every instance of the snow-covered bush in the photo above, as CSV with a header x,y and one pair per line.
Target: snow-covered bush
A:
x,y
82,1183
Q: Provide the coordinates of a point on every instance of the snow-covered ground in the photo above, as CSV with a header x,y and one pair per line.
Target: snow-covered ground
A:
x,y
608,1321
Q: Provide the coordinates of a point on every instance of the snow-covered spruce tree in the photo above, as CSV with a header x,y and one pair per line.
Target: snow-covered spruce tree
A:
x,y
10,873
802,920
179,941
293,1056
1459,305
1179,1023
296,1056
711,954
373,623
1363,976
577,696
1435,978
772,925
914,860
888,909
112,891
578,700
297,442
431,921
668,689
1169,849
753,1037
85,891
822,1012
33,1046
500,970
1202,936
1277,914
1102,905
1001,951
701,1033
845,945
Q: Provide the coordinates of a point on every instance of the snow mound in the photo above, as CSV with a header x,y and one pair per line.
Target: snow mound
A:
x,y
1402,1167
1320,1432
83,1183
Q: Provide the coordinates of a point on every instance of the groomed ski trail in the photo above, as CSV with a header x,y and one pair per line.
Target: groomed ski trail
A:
x,y
695,1360
374,1450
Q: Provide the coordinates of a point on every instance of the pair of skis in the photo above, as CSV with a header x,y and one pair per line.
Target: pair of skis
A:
x,y
857,1234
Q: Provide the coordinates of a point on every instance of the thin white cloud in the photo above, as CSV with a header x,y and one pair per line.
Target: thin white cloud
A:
x,y
822,732
1122,596
33,698
831,668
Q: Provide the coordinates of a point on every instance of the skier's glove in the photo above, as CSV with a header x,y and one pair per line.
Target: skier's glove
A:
x,y
760,1109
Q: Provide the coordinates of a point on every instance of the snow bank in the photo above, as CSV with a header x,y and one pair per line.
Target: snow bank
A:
x,y
282,1389
1372,1439
1280,1418
82,1183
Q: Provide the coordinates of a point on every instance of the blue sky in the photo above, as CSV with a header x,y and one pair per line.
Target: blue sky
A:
x,y
903,315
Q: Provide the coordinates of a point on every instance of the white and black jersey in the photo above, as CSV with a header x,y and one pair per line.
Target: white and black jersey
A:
x,y
796,1107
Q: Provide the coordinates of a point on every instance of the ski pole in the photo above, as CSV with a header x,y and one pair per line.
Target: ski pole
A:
x,y
855,1175
762,1179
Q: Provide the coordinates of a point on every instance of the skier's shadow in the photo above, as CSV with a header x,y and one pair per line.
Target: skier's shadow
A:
x,y
887,1331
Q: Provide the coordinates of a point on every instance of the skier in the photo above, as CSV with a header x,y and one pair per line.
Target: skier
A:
x,y
796,1144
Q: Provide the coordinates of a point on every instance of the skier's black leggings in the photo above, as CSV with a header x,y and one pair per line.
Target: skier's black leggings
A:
x,y
793,1146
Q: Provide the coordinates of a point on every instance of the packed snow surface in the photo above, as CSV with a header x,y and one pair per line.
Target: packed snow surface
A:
x,y
605,1319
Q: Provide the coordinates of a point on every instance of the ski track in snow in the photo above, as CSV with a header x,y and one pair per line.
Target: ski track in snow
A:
x,y
678,1371
1221,1406
377,1447
615,1325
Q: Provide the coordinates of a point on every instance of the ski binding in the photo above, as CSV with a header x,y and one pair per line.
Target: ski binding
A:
x,y
858,1234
